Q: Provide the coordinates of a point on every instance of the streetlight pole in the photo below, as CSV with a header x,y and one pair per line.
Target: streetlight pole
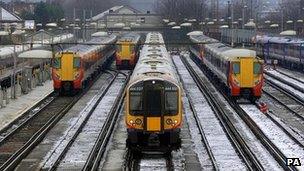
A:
x,y
243,15
282,17
13,79
232,19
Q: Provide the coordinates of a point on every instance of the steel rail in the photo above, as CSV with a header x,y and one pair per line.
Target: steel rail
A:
x,y
71,141
248,156
99,148
275,151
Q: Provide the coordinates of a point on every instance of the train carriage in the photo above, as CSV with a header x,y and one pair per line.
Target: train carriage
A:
x,y
76,66
239,69
288,51
153,100
127,50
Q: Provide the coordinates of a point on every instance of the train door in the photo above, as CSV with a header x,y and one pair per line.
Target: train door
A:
x,y
153,103
67,67
246,72
125,51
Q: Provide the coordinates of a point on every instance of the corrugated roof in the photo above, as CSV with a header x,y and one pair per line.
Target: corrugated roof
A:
x,y
7,16
101,15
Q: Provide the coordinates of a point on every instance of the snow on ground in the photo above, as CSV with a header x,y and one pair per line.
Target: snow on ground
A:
x,y
286,87
74,123
290,80
265,158
80,150
287,146
194,131
153,164
295,74
222,150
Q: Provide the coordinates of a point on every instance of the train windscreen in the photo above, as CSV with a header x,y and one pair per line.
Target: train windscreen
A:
x,y
136,99
56,63
153,98
171,99
257,68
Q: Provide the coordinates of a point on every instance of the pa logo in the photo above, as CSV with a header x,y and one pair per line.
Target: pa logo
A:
x,y
293,162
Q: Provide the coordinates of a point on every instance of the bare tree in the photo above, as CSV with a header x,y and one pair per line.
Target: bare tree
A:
x,y
96,6
177,10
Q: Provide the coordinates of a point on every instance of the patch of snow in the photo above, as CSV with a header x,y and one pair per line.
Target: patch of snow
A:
x,y
224,153
290,80
286,87
73,125
264,157
286,145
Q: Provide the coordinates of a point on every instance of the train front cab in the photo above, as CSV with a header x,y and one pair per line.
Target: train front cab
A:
x,y
246,78
153,114
126,55
67,72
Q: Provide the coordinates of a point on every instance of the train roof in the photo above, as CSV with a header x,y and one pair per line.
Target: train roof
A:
x,y
154,62
87,48
202,39
279,40
227,53
221,50
232,53
129,37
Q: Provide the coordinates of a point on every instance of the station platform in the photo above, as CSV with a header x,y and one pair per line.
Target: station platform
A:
x,y
19,106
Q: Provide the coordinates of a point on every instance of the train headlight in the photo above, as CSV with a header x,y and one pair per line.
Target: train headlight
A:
x,y
175,121
57,76
77,75
169,121
236,82
131,121
138,121
257,82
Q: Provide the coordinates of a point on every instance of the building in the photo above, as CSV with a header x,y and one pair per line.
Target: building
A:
x,y
9,21
119,17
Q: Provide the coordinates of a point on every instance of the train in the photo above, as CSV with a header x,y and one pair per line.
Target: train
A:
x,y
240,70
153,103
127,50
289,52
74,68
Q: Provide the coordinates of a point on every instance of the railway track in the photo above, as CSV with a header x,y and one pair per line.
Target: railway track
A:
x,y
290,76
94,145
291,113
294,106
19,142
242,148
11,127
20,137
265,140
291,90
148,161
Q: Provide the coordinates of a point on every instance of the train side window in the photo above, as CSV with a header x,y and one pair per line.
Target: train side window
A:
x,y
257,68
171,102
76,62
56,63
118,47
132,48
236,67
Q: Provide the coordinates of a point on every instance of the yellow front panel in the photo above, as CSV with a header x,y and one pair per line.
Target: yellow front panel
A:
x,y
153,123
246,72
126,53
67,67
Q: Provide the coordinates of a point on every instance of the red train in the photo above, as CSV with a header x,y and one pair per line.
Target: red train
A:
x,y
75,67
127,51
